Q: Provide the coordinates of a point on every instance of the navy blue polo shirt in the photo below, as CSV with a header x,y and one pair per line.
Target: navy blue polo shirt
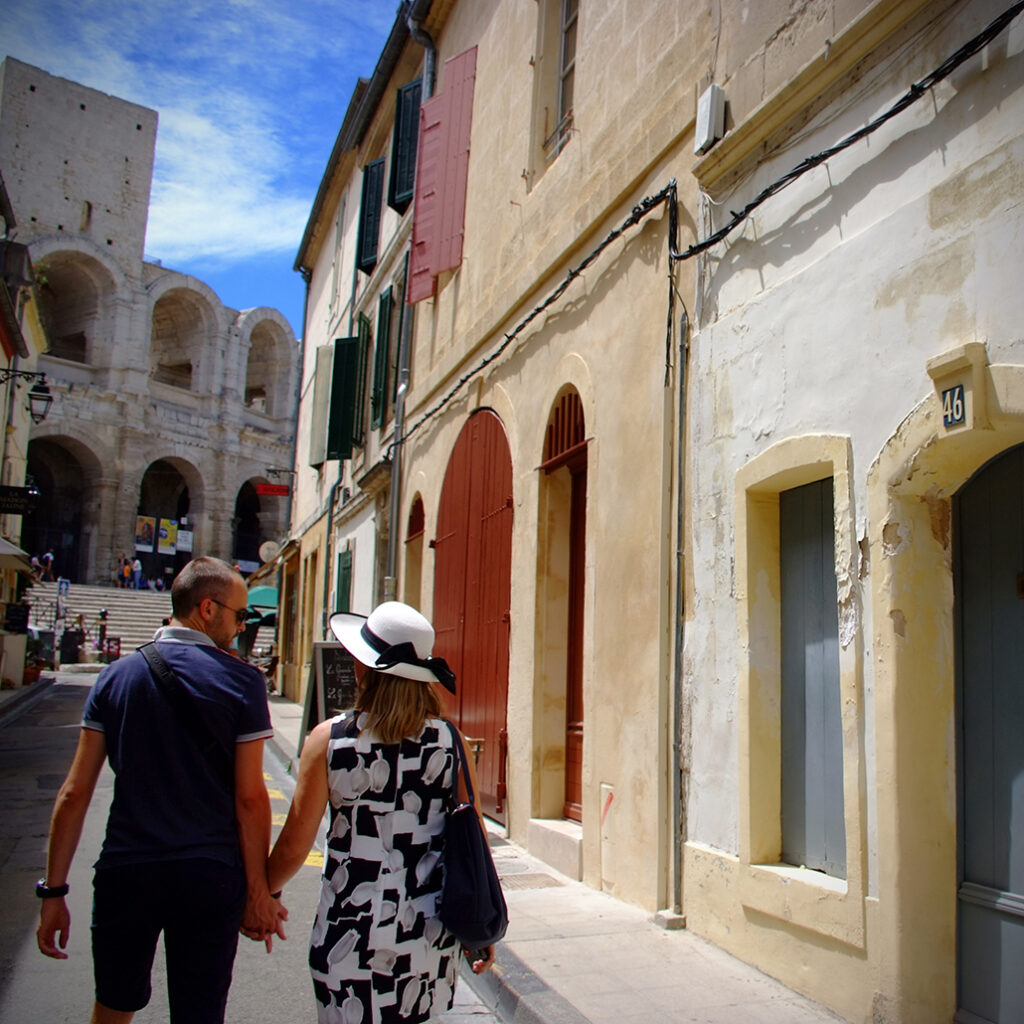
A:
x,y
170,801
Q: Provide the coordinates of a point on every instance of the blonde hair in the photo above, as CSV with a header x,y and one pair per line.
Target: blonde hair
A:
x,y
396,707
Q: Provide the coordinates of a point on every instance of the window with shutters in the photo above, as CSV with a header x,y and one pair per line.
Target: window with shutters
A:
x,y
343,590
554,84
382,394
442,169
370,210
403,146
321,405
348,393
813,831
802,799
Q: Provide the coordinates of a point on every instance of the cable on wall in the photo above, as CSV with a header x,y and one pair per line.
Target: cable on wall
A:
x,y
668,194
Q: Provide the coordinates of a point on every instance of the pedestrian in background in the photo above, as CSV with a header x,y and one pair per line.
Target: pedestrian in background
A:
x,y
378,951
185,851
136,574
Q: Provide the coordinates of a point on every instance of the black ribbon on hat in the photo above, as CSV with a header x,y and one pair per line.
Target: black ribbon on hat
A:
x,y
404,653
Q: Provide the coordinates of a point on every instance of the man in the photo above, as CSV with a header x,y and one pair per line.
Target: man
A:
x,y
137,574
187,837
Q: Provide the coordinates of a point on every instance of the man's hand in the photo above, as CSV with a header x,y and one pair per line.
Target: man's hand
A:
x,y
264,918
54,923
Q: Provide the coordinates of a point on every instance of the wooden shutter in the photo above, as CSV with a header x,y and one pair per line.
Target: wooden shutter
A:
x,y
369,216
813,823
359,400
343,598
344,381
321,405
403,146
381,361
442,171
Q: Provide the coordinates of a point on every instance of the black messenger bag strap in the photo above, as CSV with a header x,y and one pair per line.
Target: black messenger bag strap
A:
x,y
177,696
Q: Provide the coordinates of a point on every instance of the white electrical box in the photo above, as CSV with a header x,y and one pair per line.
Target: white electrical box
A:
x,y
710,125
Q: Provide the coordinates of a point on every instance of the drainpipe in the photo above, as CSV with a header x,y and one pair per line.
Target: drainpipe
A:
x,y
678,790
421,36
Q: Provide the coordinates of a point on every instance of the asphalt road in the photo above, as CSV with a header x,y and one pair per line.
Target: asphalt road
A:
x,y
36,747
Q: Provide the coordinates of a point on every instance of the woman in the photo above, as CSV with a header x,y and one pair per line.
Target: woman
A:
x,y
378,952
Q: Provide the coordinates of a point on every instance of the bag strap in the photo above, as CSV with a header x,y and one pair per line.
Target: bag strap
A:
x,y
457,744
177,696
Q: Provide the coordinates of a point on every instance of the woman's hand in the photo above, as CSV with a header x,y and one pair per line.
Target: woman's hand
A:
x,y
480,959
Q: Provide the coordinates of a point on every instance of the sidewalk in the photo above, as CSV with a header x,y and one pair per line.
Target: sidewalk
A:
x,y
573,955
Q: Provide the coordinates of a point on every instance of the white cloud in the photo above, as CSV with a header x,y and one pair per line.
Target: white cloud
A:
x,y
250,94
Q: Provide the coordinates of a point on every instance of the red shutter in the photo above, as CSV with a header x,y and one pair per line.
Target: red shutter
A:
x,y
424,214
460,77
442,170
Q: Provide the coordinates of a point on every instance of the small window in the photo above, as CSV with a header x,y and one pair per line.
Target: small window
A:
x,y
403,147
369,216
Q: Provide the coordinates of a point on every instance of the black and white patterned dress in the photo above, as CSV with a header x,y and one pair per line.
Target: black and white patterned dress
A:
x,y
378,953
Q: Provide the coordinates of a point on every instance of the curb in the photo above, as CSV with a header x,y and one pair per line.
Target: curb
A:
x,y
25,696
517,995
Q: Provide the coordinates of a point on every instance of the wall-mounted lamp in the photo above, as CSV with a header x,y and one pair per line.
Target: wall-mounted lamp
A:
x,y
39,397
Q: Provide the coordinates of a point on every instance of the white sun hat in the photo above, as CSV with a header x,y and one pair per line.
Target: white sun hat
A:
x,y
394,639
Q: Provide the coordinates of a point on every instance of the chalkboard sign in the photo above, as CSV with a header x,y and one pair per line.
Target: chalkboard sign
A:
x,y
332,688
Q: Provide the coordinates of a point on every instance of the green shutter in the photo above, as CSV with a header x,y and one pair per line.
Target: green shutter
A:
x,y
369,215
403,147
359,401
343,598
344,394
381,362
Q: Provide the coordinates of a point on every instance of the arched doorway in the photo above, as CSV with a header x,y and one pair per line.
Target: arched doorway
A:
x,y
989,588
248,535
472,591
164,499
58,522
560,597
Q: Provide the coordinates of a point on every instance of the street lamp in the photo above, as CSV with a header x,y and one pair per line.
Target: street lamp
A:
x,y
39,397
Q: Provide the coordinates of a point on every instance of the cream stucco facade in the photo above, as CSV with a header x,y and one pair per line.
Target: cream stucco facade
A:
x,y
815,344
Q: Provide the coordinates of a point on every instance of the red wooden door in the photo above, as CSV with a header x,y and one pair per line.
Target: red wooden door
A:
x,y
472,583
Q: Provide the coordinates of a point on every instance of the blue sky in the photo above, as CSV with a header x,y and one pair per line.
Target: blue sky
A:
x,y
250,96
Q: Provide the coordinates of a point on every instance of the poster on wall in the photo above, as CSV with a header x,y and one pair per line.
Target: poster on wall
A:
x,y
145,529
184,540
168,542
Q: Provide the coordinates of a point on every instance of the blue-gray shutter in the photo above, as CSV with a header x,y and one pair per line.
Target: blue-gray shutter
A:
x,y
370,211
403,147
813,823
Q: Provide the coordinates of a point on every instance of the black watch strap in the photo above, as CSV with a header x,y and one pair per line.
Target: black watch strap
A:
x,y
45,892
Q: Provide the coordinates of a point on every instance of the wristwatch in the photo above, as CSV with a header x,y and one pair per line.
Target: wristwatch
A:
x,y
45,892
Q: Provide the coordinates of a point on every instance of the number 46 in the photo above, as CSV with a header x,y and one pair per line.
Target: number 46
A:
x,y
953,406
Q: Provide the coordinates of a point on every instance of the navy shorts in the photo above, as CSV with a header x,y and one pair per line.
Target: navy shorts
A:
x,y
197,904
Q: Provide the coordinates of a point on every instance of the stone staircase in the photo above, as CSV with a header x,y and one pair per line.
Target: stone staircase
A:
x,y
132,615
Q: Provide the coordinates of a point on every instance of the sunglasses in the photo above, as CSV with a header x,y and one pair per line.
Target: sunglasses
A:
x,y
240,613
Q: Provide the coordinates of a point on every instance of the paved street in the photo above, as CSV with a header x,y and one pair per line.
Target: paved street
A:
x,y
36,746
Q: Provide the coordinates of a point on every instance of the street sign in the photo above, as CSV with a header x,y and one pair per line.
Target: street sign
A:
x,y
18,501
283,490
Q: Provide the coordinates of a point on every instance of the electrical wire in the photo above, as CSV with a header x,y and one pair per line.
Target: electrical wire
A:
x,y
911,96
668,194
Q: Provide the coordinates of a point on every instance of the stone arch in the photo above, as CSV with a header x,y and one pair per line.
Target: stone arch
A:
x,y
68,517
257,518
269,343
186,320
170,488
76,293
911,485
